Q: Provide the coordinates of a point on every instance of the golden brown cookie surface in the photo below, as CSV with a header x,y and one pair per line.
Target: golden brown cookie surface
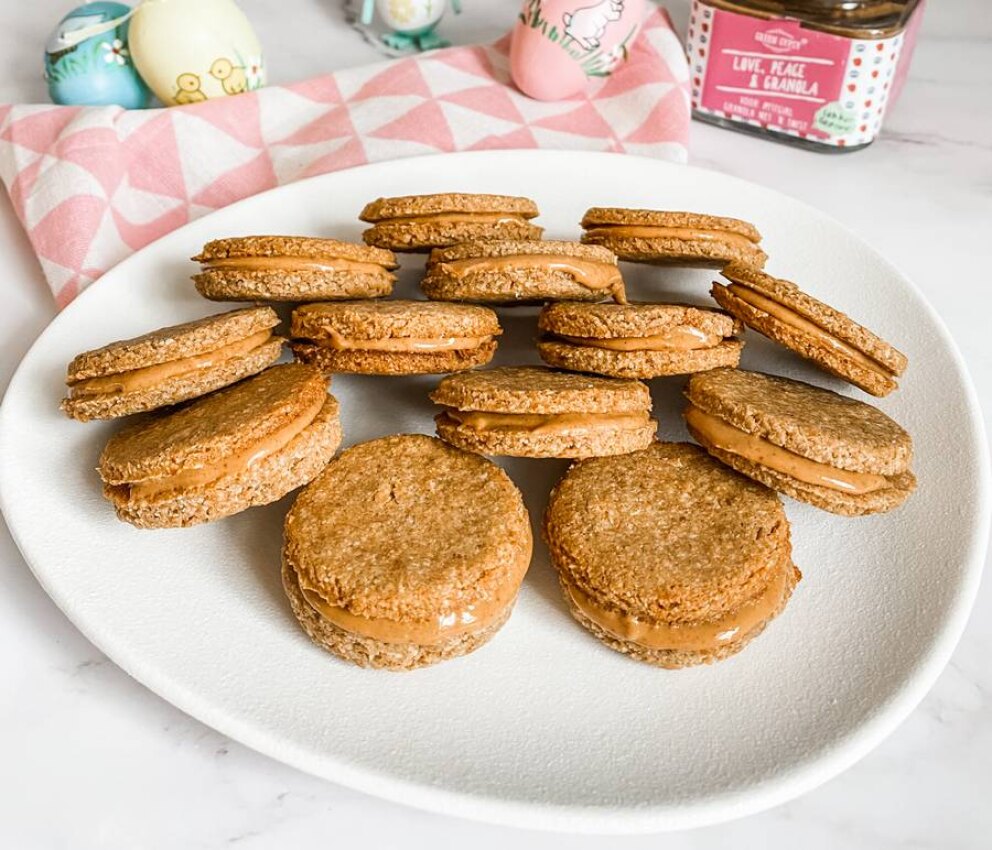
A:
x,y
668,556
835,452
246,445
663,237
292,268
417,223
394,337
637,340
780,310
405,552
521,272
171,365
531,411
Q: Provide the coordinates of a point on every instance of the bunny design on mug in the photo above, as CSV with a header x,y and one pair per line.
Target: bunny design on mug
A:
x,y
557,46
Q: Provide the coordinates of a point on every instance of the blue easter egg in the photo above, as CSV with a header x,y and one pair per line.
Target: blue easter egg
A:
x,y
94,69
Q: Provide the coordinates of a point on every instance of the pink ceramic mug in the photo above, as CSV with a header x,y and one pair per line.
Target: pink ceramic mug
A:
x,y
558,45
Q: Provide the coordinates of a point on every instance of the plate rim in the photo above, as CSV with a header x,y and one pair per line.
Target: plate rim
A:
x,y
839,754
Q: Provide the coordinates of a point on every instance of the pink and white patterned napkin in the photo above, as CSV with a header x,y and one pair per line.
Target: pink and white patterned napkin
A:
x,y
93,184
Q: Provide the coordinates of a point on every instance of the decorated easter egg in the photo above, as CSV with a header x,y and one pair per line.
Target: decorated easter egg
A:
x,y
191,50
410,16
88,60
557,46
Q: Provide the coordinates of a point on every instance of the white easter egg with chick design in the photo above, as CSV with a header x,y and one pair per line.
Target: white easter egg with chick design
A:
x,y
190,50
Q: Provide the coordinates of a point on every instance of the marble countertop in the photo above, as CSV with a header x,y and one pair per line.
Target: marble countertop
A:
x,y
93,760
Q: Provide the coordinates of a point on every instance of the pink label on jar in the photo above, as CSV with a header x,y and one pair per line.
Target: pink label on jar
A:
x,y
784,78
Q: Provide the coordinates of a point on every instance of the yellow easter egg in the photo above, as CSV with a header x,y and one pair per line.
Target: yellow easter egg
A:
x,y
191,50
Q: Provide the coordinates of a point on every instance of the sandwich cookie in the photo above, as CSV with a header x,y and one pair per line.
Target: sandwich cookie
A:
x,y
405,552
171,365
784,313
673,238
513,272
246,445
836,453
417,223
637,340
530,411
292,268
394,337
667,556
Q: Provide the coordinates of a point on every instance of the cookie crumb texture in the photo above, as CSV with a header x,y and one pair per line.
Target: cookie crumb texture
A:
x,y
837,344
813,423
668,536
207,434
298,268
517,272
810,421
545,393
681,238
406,530
172,345
418,223
570,331
637,364
176,389
357,362
315,326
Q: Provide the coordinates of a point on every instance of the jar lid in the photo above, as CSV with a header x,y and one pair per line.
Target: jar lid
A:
x,y
857,18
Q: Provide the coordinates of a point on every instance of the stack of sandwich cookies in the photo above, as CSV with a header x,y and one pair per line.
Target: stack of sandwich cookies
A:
x,y
246,445
530,411
292,268
417,223
513,272
637,340
784,313
405,552
673,238
667,556
171,365
394,337
833,452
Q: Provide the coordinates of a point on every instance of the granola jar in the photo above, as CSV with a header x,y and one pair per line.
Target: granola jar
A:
x,y
818,74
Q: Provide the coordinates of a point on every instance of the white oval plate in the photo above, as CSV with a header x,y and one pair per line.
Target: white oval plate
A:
x,y
544,727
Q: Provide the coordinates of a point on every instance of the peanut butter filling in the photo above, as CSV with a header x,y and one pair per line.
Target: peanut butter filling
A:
x,y
403,343
592,274
459,217
694,637
694,234
298,264
682,338
791,318
134,380
546,423
717,433
450,624
198,476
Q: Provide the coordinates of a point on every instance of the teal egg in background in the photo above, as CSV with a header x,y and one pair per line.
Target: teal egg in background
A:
x,y
95,70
